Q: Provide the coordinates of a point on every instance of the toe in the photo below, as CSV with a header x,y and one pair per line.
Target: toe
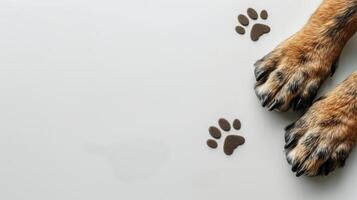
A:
x,y
289,92
264,66
267,91
321,140
307,96
341,153
315,155
304,159
293,133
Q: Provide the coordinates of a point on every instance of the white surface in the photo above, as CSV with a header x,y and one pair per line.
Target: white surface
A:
x,y
108,99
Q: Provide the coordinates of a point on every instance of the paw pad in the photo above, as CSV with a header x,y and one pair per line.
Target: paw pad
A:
x,y
231,142
258,29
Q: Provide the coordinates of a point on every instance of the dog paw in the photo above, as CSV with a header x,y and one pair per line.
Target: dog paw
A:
x,y
258,29
291,75
322,139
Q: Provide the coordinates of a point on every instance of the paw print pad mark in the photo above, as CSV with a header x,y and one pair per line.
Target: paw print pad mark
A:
x,y
258,29
231,142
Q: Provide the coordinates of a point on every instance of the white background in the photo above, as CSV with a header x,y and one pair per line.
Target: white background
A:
x,y
112,99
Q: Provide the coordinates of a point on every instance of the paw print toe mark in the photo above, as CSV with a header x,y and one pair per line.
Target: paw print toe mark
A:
x,y
264,14
212,144
243,20
215,132
224,124
237,124
240,30
252,13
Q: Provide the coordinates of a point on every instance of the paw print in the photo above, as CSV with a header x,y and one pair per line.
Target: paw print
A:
x,y
231,142
258,29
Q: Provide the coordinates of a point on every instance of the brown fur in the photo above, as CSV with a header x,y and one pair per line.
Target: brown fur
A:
x,y
291,75
326,133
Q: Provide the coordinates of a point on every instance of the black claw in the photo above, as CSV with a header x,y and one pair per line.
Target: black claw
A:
x,y
323,170
289,127
297,103
290,139
334,66
326,167
275,104
300,172
327,171
265,100
342,163
342,158
319,99
294,101
291,143
299,168
260,74
320,171
302,104
295,167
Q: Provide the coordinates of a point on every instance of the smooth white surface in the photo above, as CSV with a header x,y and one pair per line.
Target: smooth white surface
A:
x,y
108,99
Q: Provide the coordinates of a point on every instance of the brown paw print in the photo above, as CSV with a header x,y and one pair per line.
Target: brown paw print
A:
x,y
258,29
231,142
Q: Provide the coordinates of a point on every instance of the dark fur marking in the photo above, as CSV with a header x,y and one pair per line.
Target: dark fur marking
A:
x,y
342,157
330,122
300,123
354,109
325,168
318,45
279,75
311,141
322,154
293,87
352,93
303,58
305,75
306,100
312,91
342,20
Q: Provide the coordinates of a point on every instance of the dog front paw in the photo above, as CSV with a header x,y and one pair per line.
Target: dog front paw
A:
x,y
322,139
291,75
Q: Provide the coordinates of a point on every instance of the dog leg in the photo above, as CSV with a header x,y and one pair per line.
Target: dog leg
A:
x,y
321,140
291,75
